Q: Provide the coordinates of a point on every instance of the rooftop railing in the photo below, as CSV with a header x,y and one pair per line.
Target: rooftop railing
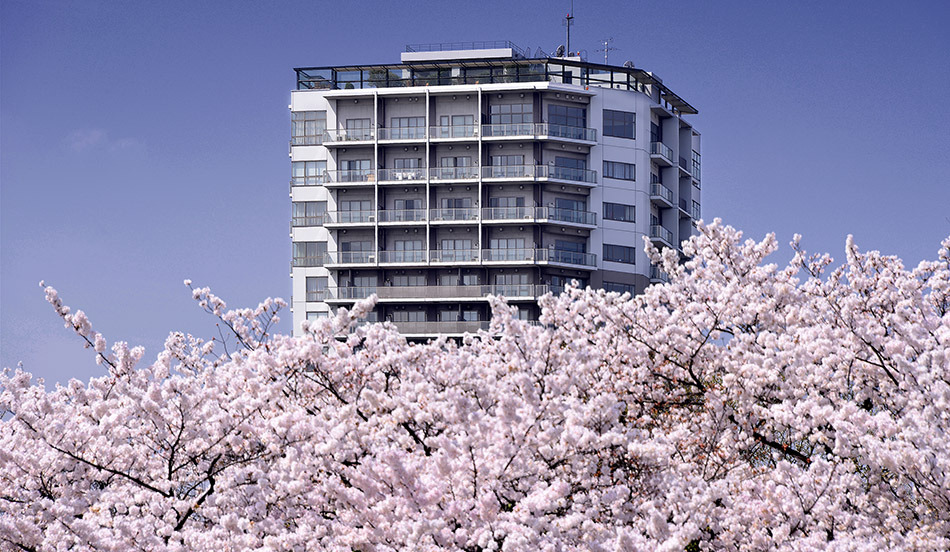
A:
x,y
477,45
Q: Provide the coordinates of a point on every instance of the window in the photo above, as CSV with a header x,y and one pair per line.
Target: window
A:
x,y
456,167
456,126
512,285
511,114
569,252
403,280
407,163
308,127
656,133
620,288
457,251
464,314
569,168
407,251
620,211
317,315
310,253
696,167
356,252
407,204
407,128
508,166
696,210
567,115
355,210
308,173
456,202
621,124
309,213
359,129
620,171
620,254
317,288
561,282
408,316
354,170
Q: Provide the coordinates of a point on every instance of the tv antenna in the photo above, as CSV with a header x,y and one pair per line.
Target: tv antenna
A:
x,y
568,22
607,49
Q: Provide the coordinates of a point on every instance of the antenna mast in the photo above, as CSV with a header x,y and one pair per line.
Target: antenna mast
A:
x,y
568,21
607,49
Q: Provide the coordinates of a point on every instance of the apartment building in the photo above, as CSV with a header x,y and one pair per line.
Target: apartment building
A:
x,y
474,169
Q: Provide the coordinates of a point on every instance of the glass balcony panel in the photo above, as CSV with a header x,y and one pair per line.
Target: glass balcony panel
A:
x,y
508,213
657,231
399,175
351,217
402,215
453,255
413,256
462,214
453,173
567,215
453,131
659,190
402,133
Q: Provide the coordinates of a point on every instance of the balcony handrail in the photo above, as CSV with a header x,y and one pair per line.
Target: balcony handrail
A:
x,y
508,213
657,274
477,291
453,173
453,131
352,257
534,130
404,256
453,255
661,149
349,217
568,257
398,175
350,175
314,180
316,220
319,295
348,135
657,189
453,214
402,133
442,326
540,171
658,231
319,260
402,215
566,215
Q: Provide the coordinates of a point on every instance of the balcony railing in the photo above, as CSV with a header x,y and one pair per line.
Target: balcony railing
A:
x,y
352,257
414,256
662,192
539,255
317,220
453,173
308,140
399,175
658,275
402,133
319,260
460,214
402,215
533,214
453,255
313,180
350,176
320,295
662,150
510,291
453,131
442,327
348,135
540,172
351,217
658,232
566,215
508,213
684,165
534,130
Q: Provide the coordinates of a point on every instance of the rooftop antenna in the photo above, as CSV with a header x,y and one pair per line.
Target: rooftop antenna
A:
x,y
568,21
607,49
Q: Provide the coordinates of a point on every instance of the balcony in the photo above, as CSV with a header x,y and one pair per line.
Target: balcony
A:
x,y
402,216
661,153
350,218
416,294
402,134
453,173
401,176
351,258
349,178
539,215
684,168
319,260
658,276
539,173
437,216
434,328
453,132
453,256
567,216
664,236
319,295
661,195
402,257
348,137
539,131
297,222
539,256
313,180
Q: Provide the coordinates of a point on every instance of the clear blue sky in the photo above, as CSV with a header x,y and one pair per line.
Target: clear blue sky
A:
x,y
146,142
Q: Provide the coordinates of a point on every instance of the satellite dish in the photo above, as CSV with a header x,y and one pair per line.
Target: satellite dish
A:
x,y
560,51
628,64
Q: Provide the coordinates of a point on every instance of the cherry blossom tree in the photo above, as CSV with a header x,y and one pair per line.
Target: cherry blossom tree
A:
x,y
741,406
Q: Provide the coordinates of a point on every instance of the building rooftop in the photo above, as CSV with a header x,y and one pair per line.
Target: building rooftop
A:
x,y
482,63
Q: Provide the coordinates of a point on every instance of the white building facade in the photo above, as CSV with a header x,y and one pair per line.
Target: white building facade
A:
x,y
456,174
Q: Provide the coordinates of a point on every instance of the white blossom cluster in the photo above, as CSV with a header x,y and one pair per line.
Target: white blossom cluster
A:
x,y
742,406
